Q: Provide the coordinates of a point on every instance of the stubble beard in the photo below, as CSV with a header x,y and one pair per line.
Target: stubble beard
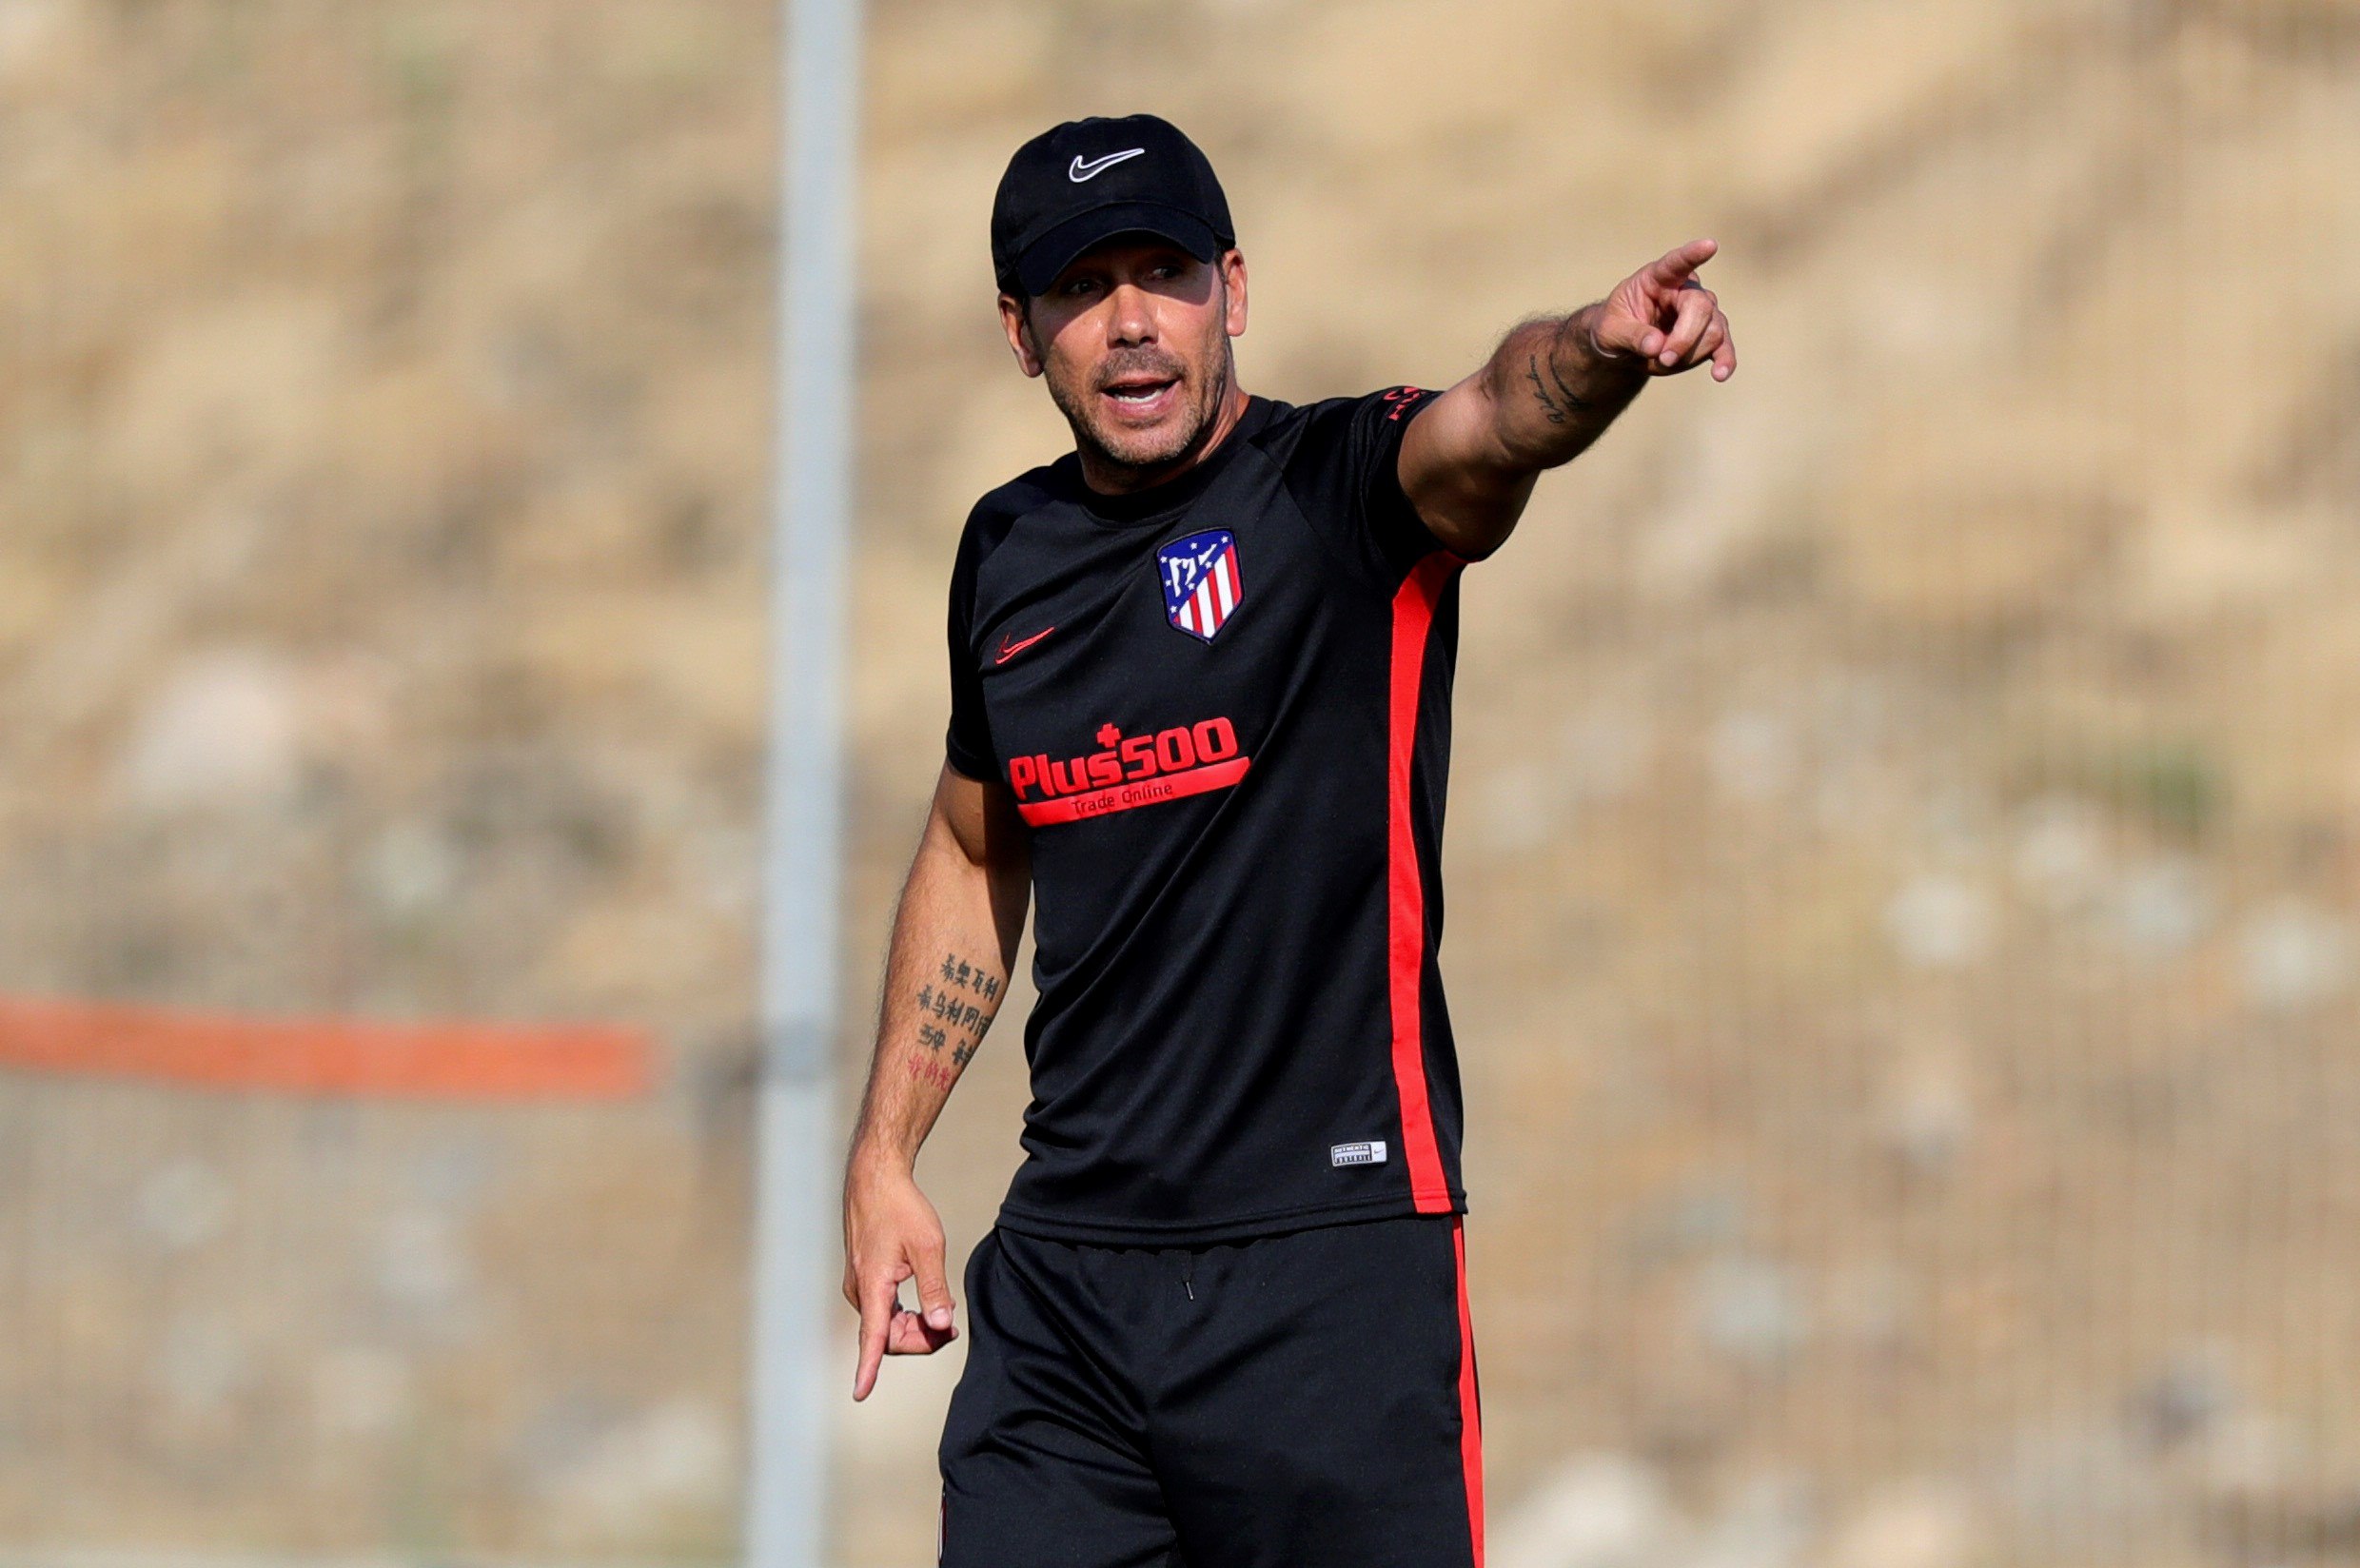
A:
x,y
1143,451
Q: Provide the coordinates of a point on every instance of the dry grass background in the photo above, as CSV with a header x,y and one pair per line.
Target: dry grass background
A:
x,y
1902,866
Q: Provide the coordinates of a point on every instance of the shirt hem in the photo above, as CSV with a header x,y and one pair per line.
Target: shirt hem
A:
x,y
1239,1227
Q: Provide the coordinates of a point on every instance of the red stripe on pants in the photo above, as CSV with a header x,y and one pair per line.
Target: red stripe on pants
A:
x,y
1470,1401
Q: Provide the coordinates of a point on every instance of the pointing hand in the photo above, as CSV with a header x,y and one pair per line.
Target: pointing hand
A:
x,y
893,1234
1664,314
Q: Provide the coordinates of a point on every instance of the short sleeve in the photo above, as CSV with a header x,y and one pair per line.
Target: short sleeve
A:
x,y
967,745
1379,424
1346,473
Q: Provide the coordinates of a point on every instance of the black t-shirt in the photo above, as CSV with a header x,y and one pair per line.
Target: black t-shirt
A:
x,y
1224,708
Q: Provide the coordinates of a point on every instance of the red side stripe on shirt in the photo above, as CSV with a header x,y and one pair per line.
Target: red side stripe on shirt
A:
x,y
1413,619
1470,1402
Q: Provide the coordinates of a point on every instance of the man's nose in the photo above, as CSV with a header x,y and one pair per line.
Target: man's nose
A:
x,y
1129,321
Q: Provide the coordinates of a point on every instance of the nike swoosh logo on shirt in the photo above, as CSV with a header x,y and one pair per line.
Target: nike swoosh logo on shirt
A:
x,y
1010,650
1097,166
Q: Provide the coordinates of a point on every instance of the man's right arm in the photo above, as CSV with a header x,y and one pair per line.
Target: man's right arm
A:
x,y
954,945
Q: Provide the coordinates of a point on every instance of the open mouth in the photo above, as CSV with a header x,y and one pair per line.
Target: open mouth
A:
x,y
1143,394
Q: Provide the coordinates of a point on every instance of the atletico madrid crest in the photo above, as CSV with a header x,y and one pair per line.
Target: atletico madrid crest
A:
x,y
1201,585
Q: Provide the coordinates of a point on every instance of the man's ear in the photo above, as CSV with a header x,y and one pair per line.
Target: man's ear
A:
x,y
1016,320
1233,279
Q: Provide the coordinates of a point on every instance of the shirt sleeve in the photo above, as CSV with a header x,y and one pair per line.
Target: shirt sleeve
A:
x,y
1347,475
1379,424
967,743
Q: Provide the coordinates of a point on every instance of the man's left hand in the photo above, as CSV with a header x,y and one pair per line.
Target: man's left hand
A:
x,y
1663,314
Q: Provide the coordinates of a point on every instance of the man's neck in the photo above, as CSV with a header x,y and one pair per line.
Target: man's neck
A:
x,y
1116,478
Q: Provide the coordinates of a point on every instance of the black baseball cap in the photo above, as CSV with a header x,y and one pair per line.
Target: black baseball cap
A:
x,y
1081,183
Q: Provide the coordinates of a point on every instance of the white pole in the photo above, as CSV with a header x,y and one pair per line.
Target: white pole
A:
x,y
794,1240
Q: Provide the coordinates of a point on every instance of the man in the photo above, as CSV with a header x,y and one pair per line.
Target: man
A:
x,y
1200,678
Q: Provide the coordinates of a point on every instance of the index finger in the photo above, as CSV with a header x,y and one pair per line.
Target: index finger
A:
x,y
1673,269
876,1315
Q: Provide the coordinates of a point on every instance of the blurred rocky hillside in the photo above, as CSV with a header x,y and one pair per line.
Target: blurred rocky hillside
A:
x,y
1902,857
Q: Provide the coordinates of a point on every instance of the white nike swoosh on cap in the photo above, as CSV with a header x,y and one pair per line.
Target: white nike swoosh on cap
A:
x,y
1081,171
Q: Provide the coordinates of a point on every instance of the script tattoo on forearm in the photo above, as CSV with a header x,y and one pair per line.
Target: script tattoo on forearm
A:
x,y
955,1006
1548,404
1573,400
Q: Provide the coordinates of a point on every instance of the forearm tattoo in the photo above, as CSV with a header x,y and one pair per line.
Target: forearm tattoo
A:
x,y
955,1004
1573,400
1548,404
1565,402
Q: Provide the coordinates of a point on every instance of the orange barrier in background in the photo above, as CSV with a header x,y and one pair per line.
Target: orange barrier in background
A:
x,y
327,1057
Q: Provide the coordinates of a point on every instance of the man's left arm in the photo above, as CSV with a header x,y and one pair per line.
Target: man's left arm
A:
x,y
1468,458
